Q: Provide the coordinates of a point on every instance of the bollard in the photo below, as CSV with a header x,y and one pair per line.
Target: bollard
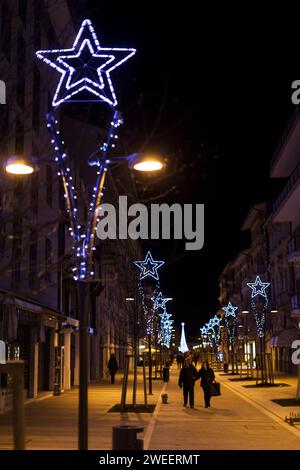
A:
x,y
164,398
124,437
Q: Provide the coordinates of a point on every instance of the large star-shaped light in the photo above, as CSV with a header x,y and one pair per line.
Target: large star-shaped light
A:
x,y
149,267
85,67
258,287
230,310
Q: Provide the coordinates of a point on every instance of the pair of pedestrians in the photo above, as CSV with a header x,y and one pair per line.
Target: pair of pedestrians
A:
x,y
187,378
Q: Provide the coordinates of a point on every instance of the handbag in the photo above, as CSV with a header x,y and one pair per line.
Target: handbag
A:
x,y
215,389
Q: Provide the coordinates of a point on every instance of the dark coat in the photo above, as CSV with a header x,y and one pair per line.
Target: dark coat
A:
x,y
112,365
188,375
207,376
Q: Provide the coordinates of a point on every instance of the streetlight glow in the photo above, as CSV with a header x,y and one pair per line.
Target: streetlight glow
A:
x,y
142,162
148,166
19,166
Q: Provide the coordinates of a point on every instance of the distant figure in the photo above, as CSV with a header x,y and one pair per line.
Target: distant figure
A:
x,y
187,378
207,376
196,357
112,367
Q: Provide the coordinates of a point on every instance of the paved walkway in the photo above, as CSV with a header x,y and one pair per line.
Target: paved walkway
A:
x,y
240,419
51,423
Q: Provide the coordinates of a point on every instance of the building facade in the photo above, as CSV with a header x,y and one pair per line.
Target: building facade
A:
x,y
39,317
273,254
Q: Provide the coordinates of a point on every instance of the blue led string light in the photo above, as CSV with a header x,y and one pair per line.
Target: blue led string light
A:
x,y
84,67
258,289
230,320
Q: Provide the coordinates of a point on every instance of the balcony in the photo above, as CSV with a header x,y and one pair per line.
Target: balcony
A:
x,y
258,268
286,206
295,304
287,153
294,250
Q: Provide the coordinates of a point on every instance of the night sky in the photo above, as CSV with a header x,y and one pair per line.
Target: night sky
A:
x,y
210,89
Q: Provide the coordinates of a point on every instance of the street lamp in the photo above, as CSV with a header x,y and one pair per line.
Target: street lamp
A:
x,y
97,84
19,165
143,162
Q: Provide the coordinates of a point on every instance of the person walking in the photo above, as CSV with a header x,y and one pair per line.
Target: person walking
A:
x,y
112,367
207,376
187,378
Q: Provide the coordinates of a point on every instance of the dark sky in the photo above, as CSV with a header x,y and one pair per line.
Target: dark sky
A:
x,y
210,88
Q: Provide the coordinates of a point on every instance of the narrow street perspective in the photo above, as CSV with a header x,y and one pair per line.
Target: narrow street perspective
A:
x,y
149,232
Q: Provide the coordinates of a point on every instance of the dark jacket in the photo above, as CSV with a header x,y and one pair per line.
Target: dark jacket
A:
x,y
112,365
188,376
207,376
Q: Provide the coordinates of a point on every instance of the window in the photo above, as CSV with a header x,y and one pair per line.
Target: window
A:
x,y
2,224
61,239
6,31
20,93
33,262
19,142
36,99
4,129
23,11
21,54
49,178
16,269
48,257
16,251
34,193
37,24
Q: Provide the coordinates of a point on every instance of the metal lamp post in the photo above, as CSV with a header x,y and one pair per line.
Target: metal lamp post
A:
x,y
85,69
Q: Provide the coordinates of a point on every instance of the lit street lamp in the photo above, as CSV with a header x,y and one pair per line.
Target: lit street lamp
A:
x,y
19,165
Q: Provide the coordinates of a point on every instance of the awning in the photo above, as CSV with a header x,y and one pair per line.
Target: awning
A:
x,y
285,338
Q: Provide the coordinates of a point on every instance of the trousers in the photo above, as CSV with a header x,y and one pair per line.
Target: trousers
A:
x,y
206,394
188,392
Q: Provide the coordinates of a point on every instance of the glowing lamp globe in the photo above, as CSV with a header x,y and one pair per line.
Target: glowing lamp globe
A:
x,y
146,163
19,165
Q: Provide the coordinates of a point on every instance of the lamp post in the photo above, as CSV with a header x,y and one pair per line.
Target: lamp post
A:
x,y
85,76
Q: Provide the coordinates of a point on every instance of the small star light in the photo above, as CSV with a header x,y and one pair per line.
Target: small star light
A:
x,y
203,330
149,267
85,67
215,321
160,301
230,310
258,287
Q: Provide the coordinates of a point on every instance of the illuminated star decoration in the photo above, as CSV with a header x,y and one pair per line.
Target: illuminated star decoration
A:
x,y
160,301
85,67
261,290
215,321
203,330
149,267
230,310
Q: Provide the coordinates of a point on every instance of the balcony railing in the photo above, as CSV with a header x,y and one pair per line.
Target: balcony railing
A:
x,y
258,268
287,188
285,135
294,244
295,302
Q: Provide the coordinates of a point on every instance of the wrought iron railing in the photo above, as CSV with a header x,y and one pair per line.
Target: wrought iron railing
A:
x,y
287,188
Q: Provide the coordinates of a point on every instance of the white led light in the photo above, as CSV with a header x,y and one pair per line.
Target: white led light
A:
x,y
99,84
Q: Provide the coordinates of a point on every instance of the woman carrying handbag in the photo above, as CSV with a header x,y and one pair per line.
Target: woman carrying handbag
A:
x,y
207,376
